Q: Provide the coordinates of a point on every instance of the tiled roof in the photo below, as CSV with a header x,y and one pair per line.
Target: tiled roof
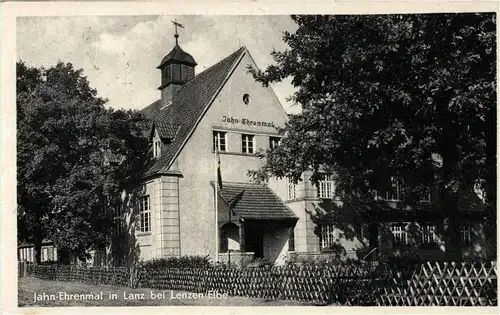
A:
x,y
255,202
27,244
187,106
166,130
179,55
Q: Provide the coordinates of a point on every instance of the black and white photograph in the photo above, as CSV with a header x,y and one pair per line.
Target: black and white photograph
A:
x,y
304,160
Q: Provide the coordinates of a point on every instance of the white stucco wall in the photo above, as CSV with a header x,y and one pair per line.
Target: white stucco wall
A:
x,y
196,161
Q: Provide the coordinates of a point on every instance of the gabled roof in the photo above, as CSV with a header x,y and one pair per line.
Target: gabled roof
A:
x,y
188,106
255,202
165,130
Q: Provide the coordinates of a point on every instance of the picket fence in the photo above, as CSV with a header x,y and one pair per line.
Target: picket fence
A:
x,y
438,284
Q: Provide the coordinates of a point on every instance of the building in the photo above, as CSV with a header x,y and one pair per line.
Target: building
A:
x,y
219,119
25,252
172,212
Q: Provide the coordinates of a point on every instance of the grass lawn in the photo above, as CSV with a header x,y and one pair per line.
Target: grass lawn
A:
x,y
28,287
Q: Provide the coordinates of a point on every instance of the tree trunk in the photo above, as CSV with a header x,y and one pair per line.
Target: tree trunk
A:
x,y
37,250
63,256
451,224
373,235
448,192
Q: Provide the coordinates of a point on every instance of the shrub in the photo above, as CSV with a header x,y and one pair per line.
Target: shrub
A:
x,y
49,263
258,262
177,262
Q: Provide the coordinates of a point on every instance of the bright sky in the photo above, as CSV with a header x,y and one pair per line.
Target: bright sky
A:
x,y
119,54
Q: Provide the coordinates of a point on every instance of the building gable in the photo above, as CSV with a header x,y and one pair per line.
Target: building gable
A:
x,y
188,107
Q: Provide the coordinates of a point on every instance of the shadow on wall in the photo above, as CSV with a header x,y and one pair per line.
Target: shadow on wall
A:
x,y
398,231
124,249
351,236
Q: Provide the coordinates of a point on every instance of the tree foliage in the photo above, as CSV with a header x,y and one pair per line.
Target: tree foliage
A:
x,y
74,158
411,95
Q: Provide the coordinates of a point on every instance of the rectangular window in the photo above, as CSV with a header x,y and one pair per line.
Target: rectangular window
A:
x,y
399,235
44,254
274,142
247,143
394,193
145,214
291,189
326,188
118,220
157,148
168,74
359,231
465,232
51,254
328,236
425,197
219,141
428,234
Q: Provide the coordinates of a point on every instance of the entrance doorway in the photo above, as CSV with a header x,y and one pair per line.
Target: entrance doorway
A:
x,y
254,240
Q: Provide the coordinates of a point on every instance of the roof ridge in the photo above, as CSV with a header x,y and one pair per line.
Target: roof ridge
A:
x,y
190,82
189,104
244,184
207,69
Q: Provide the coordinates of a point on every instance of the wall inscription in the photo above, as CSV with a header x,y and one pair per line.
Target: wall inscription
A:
x,y
247,122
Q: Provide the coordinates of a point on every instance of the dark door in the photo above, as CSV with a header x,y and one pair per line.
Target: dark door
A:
x,y
254,240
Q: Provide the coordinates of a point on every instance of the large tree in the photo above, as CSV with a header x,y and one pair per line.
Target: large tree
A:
x,y
410,96
74,158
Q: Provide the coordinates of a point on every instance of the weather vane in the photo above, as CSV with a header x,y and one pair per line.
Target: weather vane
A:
x,y
176,35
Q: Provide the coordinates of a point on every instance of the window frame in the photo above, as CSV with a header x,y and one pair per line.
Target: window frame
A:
x,y
247,143
425,197
156,148
397,184
428,232
359,231
217,136
145,214
291,189
326,188
399,229
274,142
328,236
118,221
466,234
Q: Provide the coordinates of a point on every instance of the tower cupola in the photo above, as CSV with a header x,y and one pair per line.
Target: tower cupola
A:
x,y
177,68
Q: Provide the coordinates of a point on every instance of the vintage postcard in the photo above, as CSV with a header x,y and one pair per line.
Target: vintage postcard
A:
x,y
249,155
